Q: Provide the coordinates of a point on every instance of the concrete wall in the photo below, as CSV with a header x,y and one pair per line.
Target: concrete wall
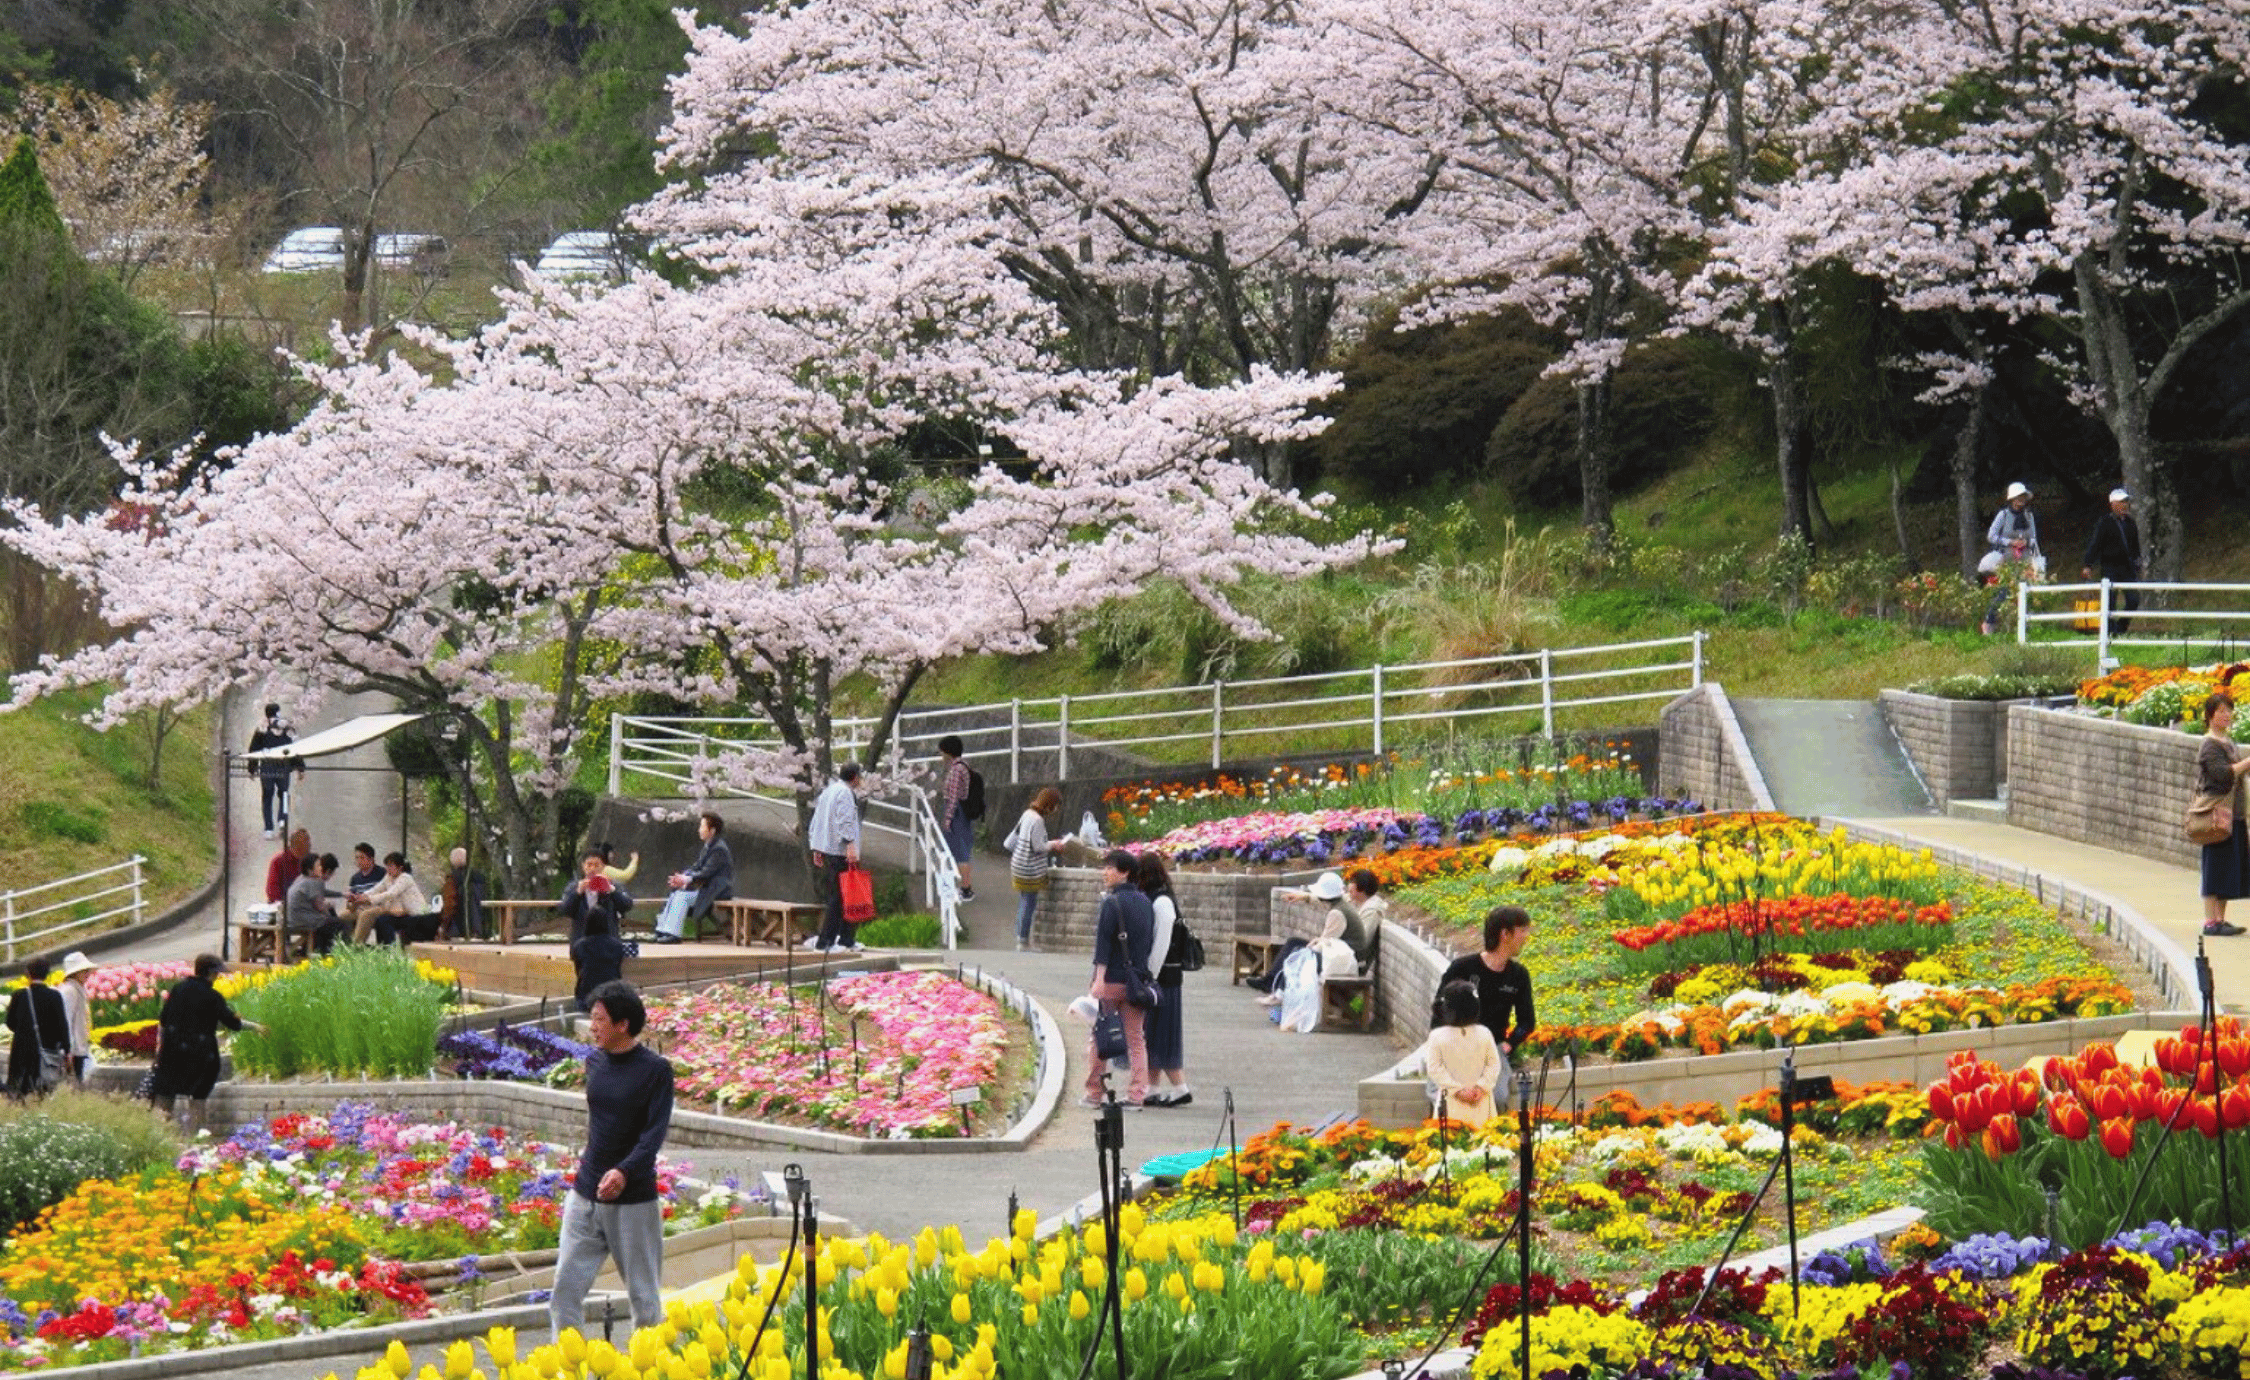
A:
x,y
1705,755
1216,906
2099,781
1959,746
1392,1101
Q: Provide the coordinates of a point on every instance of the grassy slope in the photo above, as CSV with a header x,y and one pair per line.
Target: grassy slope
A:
x,y
49,759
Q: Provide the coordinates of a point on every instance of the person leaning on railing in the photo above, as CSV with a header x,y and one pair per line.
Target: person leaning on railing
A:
x,y
1031,858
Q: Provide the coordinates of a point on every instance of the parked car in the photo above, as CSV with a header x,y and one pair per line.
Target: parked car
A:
x,y
580,254
307,249
320,248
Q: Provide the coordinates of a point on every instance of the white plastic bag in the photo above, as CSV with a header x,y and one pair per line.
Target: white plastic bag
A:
x,y
1090,833
1300,991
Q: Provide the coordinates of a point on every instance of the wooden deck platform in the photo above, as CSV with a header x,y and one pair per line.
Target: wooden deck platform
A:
x,y
531,968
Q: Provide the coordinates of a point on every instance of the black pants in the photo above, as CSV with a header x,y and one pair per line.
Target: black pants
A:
x,y
833,930
273,791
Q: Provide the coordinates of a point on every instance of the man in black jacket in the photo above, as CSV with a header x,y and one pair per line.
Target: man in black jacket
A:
x,y
2114,549
1503,984
612,1208
36,1021
712,876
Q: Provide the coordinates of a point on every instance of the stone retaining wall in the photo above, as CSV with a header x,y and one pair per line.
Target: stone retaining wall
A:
x,y
1705,755
1216,906
2100,781
1960,747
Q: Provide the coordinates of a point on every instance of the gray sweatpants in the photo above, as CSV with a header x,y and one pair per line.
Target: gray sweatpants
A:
x,y
632,1234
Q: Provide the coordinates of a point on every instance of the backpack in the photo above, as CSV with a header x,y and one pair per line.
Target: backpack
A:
x,y
1185,951
972,804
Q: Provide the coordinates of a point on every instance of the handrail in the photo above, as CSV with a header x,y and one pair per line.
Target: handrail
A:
x,y
13,911
1218,711
2108,609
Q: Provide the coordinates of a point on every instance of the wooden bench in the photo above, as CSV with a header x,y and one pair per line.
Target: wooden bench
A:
x,y
1253,955
779,923
1340,994
522,917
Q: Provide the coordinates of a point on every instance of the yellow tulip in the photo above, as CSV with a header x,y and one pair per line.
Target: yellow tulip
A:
x,y
1312,1276
397,1361
1209,1278
1136,1285
886,1302
1026,1224
573,1348
941,1346
1175,1286
925,1248
961,1308
460,1359
894,1362
1031,1315
1097,1239
1092,1273
500,1344
1079,1307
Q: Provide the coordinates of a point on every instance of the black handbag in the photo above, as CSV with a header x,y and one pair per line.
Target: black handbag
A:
x,y
1140,989
1109,1036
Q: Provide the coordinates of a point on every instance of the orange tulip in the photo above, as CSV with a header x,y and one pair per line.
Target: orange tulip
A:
x,y
2117,1138
2067,1118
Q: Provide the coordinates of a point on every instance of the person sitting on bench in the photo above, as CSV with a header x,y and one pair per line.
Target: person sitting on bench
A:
x,y
711,878
383,905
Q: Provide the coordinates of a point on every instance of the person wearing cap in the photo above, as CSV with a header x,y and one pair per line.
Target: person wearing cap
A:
x,y
1342,924
1124,934
2115,550
187,1041
78,1013
273,773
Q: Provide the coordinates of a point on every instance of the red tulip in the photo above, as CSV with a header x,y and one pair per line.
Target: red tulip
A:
x,y
2234,1107
2117,1137
2002,1137
2168,1105
2234,1057
2174,1056
1976,1110
2066,1117
1941,1102
2110,1102
2206,1116
2098,1059
1953,1135
2025,1087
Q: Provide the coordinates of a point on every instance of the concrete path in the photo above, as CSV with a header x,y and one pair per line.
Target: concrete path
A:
x,y
2168,897
1831,757
349,798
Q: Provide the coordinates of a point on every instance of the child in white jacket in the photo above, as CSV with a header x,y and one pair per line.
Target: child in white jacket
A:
x,y
1460,1057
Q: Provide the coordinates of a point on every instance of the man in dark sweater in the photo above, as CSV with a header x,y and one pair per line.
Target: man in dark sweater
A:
x,y
1503,985
612,1209
2114,549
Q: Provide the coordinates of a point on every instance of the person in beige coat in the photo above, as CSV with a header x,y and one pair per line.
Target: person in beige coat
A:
x,y
1460,1057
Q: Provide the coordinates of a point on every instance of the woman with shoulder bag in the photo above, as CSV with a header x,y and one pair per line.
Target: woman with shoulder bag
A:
x,y
1167,1042
1031,858
2219,767
39,1033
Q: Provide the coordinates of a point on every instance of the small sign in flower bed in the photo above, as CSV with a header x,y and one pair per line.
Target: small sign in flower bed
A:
x,y
1751,931
300,1224
874,1054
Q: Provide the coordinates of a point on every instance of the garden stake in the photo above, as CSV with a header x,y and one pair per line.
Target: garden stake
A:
x,y
2206,1023
1789,1174
1523,1216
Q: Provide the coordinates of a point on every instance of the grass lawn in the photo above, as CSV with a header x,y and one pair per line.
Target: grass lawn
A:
x,y
73,799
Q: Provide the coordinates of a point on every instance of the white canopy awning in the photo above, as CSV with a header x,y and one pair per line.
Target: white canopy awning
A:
x,y
342,738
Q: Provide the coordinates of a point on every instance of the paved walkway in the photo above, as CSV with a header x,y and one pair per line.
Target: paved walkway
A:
x,y
2168,897
345,799
1831,757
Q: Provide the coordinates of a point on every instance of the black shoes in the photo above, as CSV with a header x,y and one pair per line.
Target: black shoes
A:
x,y
2221,929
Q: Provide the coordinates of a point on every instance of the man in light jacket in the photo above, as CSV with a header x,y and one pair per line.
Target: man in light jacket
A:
x,y
833,837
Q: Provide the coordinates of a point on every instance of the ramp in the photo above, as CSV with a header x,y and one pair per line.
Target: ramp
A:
x,y
1831,757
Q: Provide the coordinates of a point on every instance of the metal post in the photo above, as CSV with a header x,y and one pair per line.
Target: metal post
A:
x,y
1218,722
8,917
140,906
2101,654
1015,742
1695,673
2023,613
1375,703
616,754
1547,692
1062,741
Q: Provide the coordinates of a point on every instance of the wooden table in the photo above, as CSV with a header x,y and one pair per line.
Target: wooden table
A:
x,y
1253,955
533,915
265,941
780,923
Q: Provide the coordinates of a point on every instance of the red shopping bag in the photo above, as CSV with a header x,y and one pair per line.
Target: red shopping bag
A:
x,y
858,888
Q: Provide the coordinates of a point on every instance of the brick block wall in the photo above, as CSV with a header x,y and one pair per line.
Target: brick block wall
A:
x,y
1951,742
1214,904
1705,755
2098,781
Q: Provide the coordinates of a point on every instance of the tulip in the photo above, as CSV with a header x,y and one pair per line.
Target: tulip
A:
x,y
501,1343
1079,1307
2025,1088
2117,1138
2002,1137
1941,1102
2234,1107
2206,1116
961,1308
397,1361
2234,1057
2067,1118
2110,1102
459,1361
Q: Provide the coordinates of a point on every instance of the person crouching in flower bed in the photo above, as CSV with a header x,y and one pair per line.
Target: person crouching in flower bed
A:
x,y
1460,1057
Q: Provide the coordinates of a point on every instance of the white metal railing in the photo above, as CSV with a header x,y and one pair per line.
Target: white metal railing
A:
x,y
941,876
2194,619
110,892
1370,703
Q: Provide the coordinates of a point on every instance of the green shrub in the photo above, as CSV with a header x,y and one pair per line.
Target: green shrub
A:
x,y
1660,411
1995,687
49,1148
46,819
365,1012
901,932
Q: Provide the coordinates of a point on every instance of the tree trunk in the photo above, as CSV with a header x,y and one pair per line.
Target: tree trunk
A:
x,y
1968,523
2124,402
1898,519
1593,460
1792,433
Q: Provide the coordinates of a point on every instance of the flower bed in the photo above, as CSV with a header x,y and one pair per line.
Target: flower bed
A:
x,y
2162,697
1745,931
878,1055
298,1224
371,1011
514,1053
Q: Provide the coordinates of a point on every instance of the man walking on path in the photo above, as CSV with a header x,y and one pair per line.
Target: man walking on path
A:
x,y
833,837
273,773
2115,550
612,1209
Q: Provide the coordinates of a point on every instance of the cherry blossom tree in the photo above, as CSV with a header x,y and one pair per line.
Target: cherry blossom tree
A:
x,y
1152,169
1561,148
529,501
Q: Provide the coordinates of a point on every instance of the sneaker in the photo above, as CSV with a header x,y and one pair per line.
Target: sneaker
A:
x,y
1180,1098
968,893
2223,929
1021,946
1089,1102
269,833
856,947
1269,1001
1157,1099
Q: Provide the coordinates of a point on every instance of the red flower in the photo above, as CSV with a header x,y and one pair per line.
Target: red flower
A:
x,y
2067,1118
1941,1102
2002,1137
2234,1107
2206,1115
2117,1138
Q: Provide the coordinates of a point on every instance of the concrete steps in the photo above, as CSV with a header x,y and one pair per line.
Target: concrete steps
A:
x,y
1831,757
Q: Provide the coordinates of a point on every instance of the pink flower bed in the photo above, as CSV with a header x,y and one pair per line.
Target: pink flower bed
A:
x,y
1266,826
132,991
767,1051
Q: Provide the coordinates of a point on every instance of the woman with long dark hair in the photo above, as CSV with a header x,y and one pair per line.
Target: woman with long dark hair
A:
x,y
1167,1042
1031,858
2219,766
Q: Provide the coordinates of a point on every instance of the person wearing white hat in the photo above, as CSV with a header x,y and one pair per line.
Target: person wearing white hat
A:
x,y
1342,923
78,1013
2115,550
2014,537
